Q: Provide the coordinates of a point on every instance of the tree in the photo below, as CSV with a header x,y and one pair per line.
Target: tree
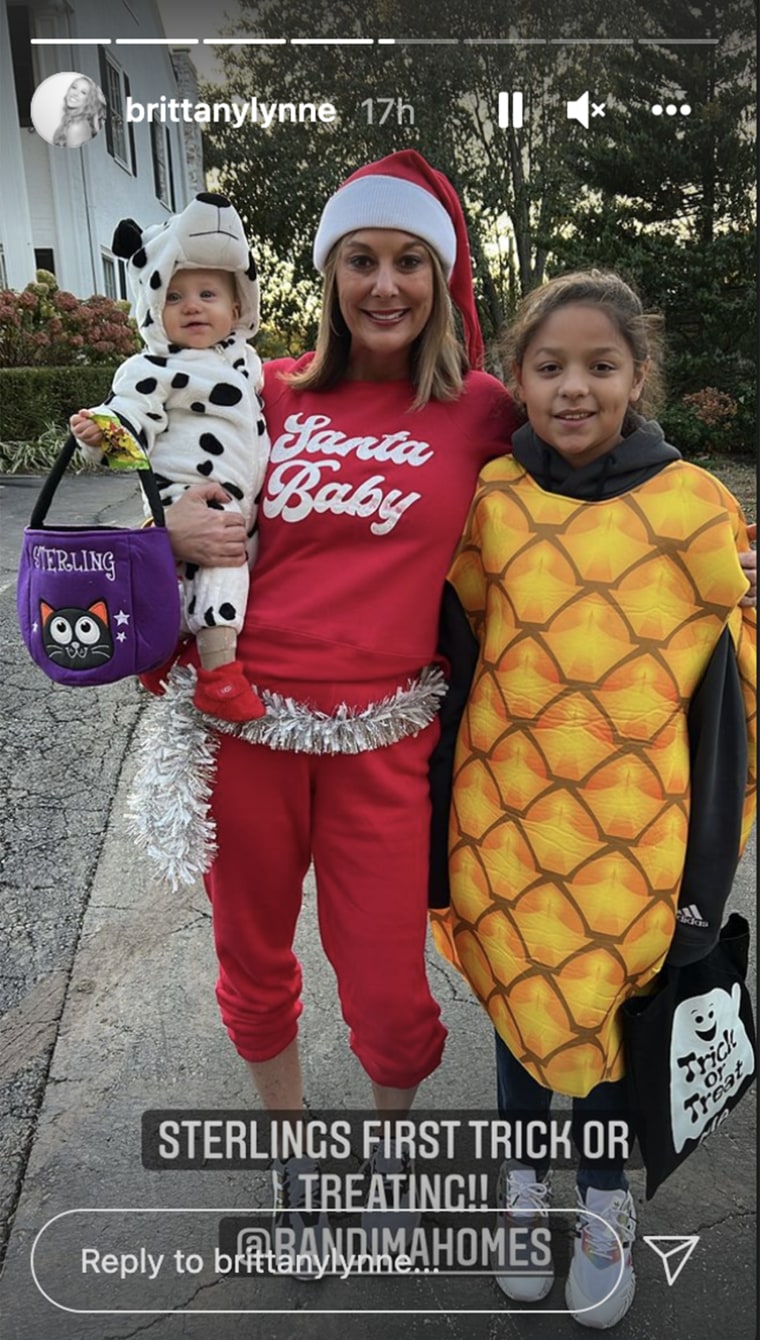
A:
x,y
670,199
691,174
515,183
628,191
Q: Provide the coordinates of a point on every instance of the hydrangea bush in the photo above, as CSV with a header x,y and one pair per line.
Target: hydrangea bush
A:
x,y
44,326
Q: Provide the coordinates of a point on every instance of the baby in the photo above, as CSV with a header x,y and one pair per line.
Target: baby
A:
x,y
192,401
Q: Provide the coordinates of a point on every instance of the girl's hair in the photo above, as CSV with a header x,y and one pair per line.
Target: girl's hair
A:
x,y
94,110
642,331
438,361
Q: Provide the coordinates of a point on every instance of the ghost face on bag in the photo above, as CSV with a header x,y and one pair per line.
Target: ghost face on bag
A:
x,y
711,1056
201,308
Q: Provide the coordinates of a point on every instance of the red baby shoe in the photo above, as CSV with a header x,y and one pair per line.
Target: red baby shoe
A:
x,y
226,693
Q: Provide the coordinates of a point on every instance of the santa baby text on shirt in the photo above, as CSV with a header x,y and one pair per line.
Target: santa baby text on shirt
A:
x,y
300,484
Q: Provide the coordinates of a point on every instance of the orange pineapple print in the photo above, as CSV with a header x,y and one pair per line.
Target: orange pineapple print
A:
x,y
571,778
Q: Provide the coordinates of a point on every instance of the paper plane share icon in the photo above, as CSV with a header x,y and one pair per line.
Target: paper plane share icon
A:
x,y
674,1252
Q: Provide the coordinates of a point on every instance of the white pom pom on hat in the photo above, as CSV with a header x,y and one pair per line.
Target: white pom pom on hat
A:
x,y
404,192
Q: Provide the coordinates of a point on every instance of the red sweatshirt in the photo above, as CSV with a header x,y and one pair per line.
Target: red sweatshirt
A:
x,y
363,504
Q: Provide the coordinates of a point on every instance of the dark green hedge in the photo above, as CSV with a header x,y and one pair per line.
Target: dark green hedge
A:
x,y
33,398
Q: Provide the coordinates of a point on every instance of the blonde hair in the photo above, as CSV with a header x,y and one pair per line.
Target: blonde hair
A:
x,y
438,361
642,331
93,110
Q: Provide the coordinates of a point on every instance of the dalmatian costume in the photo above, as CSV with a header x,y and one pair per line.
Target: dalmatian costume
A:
x,y
197,412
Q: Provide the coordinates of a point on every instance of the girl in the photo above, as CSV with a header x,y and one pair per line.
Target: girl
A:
x,y
83,113
598,573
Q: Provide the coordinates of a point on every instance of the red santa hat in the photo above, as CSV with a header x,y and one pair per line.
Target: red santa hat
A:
x,y
403,191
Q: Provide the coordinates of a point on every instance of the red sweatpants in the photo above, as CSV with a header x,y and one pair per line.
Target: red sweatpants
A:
x,y
365,820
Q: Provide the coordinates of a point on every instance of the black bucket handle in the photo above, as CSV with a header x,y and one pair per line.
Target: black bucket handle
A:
x,y
60,465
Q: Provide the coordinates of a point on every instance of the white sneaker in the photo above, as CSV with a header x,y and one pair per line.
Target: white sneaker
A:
x,y
299,1223
601,1282
389,1221
525,1271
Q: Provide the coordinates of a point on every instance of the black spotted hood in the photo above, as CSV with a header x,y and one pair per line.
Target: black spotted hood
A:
x,y
207,235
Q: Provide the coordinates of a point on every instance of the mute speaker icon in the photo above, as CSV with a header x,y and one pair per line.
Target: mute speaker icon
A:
x,y
577,110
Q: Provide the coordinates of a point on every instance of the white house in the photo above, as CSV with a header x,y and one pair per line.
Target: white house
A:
x,y
58,206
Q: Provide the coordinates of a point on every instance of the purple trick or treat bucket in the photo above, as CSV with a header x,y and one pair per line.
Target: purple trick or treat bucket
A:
x,y
97,604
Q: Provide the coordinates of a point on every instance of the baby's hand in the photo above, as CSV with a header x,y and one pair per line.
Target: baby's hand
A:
x,y
82,427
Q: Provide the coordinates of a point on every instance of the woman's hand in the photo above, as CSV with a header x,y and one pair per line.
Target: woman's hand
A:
x,y
748,561
200,532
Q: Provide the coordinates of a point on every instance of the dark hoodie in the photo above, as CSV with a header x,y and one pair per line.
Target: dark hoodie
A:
x,y
634,460
716,718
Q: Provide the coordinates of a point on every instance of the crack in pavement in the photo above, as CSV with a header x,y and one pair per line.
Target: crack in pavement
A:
x,y
170,1312
727,1219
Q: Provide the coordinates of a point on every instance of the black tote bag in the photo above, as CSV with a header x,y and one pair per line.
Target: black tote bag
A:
x,y
690,1052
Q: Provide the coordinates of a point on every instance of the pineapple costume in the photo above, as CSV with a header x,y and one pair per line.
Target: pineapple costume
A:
x,y
596,622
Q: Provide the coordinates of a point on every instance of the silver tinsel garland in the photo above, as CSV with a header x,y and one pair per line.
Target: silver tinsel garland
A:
x,y
168,806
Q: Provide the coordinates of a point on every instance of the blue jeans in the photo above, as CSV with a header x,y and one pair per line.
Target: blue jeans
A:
x,y
519,1094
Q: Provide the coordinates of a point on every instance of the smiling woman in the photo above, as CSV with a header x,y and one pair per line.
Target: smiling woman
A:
x,y
377,439
385,283
84,113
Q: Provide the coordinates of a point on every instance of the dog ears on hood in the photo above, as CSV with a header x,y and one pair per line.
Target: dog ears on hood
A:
x,y
127,239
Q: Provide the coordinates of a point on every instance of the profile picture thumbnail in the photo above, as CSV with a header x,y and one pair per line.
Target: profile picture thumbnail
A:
x,y
68,109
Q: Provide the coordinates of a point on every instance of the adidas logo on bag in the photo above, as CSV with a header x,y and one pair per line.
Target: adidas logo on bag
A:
x,y
690,916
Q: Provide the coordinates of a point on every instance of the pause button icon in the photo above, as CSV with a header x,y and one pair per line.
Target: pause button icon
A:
x,y
510,110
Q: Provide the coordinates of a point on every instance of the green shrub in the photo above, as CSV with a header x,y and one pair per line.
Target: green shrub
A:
x,y
709,421
30,398
47,327
38,456
742,438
